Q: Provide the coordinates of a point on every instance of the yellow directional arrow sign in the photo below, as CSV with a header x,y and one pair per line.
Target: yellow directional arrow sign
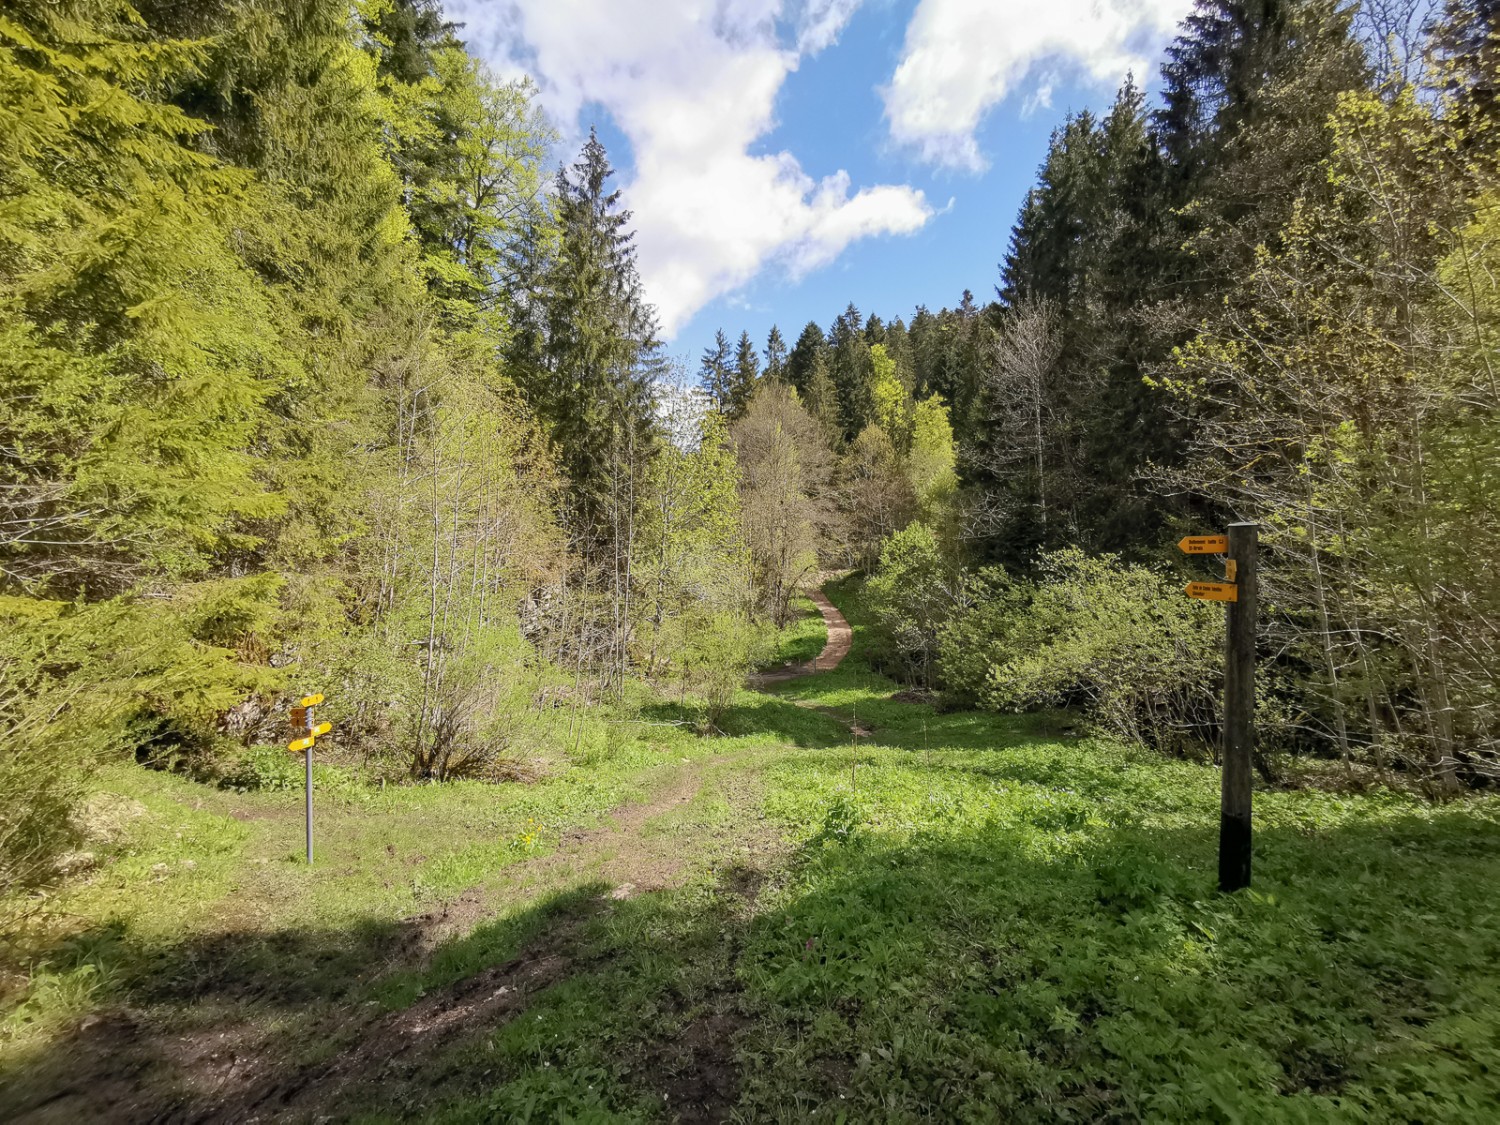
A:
x,y
1203,544
322,728
301,743
1214,591
311,700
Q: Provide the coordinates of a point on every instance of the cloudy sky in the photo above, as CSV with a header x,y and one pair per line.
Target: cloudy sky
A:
x,y
784,157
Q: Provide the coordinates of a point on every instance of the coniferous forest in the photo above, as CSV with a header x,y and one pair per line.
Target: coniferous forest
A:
x,y
815,728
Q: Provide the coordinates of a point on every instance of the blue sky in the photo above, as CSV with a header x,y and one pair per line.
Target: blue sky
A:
x,y
786,157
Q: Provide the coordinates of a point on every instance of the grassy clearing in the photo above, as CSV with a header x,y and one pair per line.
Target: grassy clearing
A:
x,y
957,915
194,859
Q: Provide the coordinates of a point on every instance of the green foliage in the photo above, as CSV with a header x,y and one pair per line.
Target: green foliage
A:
x,y
1119,641
785,473
963,918
134,363
932,461
892,401
803,637
911,596
598,351
719,655
226,393
80,684
694,560
1335,396
841,822
267,769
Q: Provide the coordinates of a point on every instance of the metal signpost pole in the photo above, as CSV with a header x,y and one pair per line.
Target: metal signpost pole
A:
x,y
302,720
309,799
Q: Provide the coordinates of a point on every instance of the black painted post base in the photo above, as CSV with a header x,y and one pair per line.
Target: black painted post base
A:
x,y
1234,853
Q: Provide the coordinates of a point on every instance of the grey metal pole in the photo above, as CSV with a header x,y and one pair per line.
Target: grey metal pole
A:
x,y
310,725
309,805
1239,710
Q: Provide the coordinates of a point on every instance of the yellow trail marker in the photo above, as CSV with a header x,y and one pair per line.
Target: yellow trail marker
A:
x,y
301,743
1203,544
1213,591
322,728
1231,570
311,700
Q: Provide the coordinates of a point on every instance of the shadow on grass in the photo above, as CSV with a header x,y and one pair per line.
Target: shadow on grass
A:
x,y
1018,972
1010,969
231,1023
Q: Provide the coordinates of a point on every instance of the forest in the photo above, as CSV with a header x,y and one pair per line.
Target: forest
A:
x,y
321,374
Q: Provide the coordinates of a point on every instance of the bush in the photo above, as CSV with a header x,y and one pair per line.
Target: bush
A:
x,y
267,769
1120,641
719,655
81,684
911,596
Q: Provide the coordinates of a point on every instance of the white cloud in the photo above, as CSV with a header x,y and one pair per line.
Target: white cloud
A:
x,y
693,86
963,56
820,21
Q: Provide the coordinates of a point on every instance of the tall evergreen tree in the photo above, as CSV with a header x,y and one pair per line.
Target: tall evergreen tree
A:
x,y
810,344
602,349
409,33
745,376
715,374
852,372
776,356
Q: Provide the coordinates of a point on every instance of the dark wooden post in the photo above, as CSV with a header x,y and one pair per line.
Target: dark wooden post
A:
x,y
1239,711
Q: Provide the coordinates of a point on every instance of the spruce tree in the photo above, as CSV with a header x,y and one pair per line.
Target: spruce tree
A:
x,y
745,375
601,349
852,372
776,356
799,366
715,374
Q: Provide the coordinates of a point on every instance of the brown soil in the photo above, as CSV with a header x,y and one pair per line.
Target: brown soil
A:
x,y
395,1052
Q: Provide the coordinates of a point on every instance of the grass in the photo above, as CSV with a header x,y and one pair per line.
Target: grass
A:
x,y
956,915
803,638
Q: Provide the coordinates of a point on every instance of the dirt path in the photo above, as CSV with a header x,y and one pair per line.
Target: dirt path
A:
x,y
137,1065
835,648
625,854
240,1061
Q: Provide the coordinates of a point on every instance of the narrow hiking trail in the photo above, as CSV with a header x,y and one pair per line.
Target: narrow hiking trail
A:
x,y
835,648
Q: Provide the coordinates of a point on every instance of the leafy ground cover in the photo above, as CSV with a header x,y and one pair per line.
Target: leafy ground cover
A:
x,y
848,908
802,639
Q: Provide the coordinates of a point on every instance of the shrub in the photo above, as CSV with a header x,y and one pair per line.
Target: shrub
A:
x,y
1120,641
79,684
720,653
911,596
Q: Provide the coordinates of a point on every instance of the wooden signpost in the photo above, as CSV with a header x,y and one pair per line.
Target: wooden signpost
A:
x,y
302,720
1203,544
1239,593
1213,591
